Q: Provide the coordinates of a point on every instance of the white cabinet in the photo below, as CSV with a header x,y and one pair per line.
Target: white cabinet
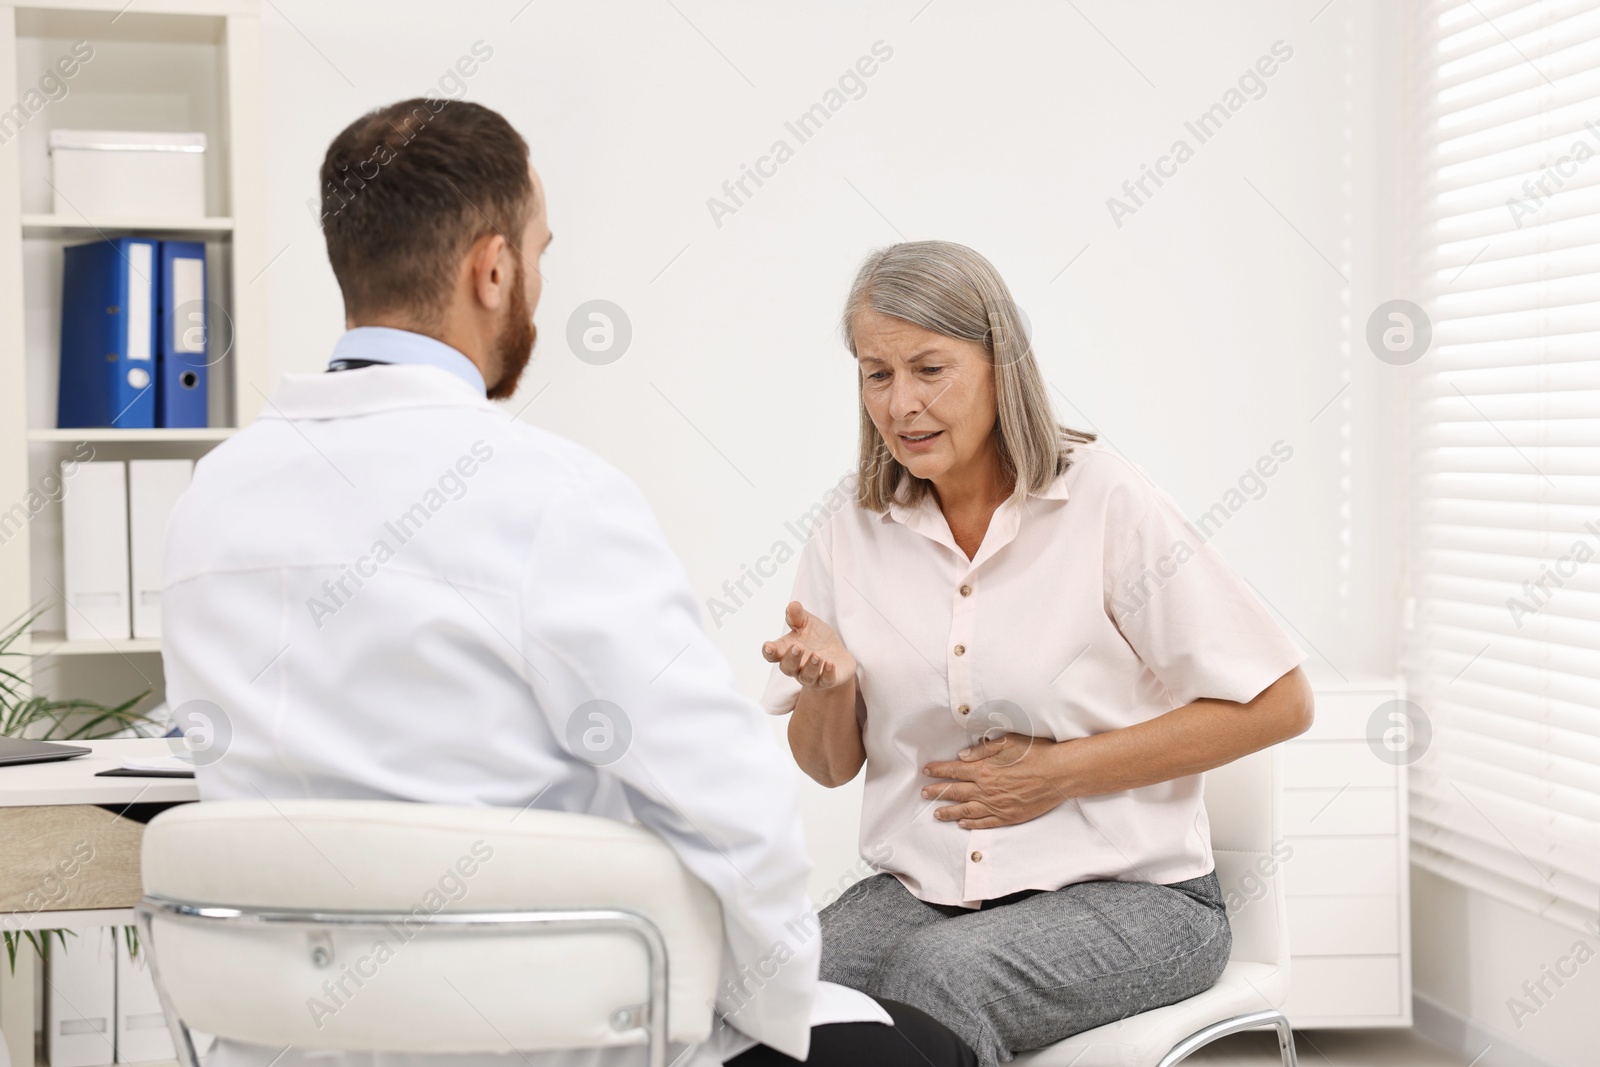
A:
x,y
1347,877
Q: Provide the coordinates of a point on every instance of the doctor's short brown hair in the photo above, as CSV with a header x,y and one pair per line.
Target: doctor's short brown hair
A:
x,y
407,189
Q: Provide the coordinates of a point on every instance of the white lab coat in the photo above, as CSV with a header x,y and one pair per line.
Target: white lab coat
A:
x,y
392,590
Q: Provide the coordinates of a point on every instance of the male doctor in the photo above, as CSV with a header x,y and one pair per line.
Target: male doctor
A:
x,y
394,590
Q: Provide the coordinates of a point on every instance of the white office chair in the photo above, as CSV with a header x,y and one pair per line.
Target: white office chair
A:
x,y
1242,803
377,925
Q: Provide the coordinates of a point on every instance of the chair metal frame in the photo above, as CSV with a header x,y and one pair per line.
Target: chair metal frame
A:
x,y
456,922
1201,1038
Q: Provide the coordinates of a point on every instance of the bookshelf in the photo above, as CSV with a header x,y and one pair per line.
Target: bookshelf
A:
x,y
46,643
35,225
91,435
157,65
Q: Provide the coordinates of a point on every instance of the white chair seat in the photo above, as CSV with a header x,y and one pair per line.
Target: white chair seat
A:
x,y
1144,1039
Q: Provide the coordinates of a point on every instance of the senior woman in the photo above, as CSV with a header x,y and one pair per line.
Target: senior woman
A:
x,y
1036,656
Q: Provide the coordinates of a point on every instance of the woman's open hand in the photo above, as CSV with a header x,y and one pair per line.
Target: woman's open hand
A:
x,y
811,652
999,781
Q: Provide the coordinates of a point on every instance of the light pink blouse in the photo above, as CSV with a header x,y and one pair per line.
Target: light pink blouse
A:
x,y
1075,617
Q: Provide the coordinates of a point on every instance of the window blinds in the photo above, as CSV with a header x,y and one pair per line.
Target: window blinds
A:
x,y
1503,648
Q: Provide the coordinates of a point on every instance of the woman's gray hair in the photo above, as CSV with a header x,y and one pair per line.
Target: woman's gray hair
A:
x,y
949,289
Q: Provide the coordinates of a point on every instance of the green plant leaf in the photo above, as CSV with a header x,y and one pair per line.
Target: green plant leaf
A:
x,y
70,720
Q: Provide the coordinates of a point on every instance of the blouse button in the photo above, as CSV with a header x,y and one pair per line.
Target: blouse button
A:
x,y
963,709
961,650
976,856
966,590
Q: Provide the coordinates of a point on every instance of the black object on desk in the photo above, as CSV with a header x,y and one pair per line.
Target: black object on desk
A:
x,y
18,750
124,772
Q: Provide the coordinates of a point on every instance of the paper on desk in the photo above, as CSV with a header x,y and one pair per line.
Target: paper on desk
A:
x,y
173,762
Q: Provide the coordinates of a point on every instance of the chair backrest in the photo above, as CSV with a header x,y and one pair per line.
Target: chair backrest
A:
x,y
1242,803
403,987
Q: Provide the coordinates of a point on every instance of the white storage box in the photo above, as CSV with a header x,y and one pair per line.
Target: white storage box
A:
x,y
107,173
82,979
142,1034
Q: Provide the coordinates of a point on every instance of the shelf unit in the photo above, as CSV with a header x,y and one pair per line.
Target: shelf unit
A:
x,y
1347,869
18,992
45,643
34,225
108,436
173,65
163,64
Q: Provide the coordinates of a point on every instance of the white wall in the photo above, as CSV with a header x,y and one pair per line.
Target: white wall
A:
x,y
1495,980
1222,316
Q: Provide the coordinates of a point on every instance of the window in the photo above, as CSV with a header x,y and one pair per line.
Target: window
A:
x,y
1502,650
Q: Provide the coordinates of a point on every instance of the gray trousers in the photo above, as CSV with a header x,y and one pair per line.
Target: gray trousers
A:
x,y
1027,970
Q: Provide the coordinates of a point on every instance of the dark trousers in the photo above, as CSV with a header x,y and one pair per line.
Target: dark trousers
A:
x,y
915,1040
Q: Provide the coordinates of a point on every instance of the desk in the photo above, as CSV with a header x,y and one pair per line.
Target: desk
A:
x,y
71,856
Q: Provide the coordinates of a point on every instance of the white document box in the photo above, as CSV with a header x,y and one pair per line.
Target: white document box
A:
x,y
142,1034
94,527
106,173
79,1026
154,486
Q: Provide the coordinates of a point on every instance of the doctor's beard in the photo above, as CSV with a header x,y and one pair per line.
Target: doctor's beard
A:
x,y
514,346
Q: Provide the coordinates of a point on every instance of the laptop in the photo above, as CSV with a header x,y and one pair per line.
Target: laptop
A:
x,y
17,750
